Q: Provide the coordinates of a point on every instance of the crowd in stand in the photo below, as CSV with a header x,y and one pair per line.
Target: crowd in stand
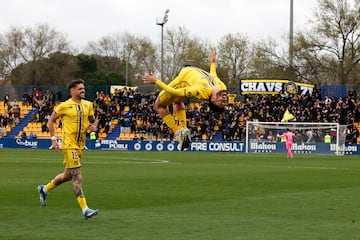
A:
x,y
136,115
12,116
142,119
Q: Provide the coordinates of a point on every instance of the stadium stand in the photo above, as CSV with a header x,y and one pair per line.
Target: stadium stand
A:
x,y
131,115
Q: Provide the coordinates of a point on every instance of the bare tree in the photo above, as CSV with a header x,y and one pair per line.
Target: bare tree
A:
x,y
124,53
108,52
142,54
183,49
330,50
22,45
233,58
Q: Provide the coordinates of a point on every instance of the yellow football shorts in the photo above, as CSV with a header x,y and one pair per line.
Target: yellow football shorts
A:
x,y
166,98
72,157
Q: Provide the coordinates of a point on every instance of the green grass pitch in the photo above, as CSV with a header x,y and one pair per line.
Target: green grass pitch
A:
x,y
183,195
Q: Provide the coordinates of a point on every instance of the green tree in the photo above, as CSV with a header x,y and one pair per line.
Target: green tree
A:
x,y
95,70
102,78
57,69
87,64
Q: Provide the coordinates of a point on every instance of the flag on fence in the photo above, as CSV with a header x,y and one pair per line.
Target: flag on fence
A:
x,y
287,116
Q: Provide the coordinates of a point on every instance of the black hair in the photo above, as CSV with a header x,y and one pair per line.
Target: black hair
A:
x,y
75,82
215,108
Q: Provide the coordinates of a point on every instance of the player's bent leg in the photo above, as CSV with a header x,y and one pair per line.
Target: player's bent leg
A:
x,y
180,114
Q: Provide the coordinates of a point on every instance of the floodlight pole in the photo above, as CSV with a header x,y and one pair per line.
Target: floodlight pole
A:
x,y
127,72
161,22
291,35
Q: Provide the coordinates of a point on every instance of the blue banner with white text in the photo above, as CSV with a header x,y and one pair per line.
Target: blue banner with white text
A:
x,y
135,145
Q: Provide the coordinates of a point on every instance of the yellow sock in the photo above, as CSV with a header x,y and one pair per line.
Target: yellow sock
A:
x,y
180,115
50,186
82,202
169,120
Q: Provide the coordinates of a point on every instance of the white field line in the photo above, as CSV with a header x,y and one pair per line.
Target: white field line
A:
x,y
116,160
130,160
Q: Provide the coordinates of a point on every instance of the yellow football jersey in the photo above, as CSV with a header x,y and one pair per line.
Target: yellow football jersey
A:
x,y
75,120
192,82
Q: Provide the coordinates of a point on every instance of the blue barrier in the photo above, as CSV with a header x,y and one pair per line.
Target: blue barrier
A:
x,y
218,146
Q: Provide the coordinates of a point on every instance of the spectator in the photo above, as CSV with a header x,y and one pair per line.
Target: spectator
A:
x,y
355,135
6,99
127,124
2,131
25,99
15,104
155,131
33,117
23,135
107,127
37,94
44,127
32,135
309,134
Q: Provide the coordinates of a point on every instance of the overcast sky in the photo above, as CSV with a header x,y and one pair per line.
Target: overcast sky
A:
x,y
89,20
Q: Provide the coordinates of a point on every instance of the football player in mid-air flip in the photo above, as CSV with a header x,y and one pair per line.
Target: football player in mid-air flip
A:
x,y
191,82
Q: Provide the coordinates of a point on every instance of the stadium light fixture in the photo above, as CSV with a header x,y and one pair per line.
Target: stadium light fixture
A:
x,y
161,22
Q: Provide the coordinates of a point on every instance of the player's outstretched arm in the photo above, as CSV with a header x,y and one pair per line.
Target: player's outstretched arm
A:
x,y
152,79
212,57
212,63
